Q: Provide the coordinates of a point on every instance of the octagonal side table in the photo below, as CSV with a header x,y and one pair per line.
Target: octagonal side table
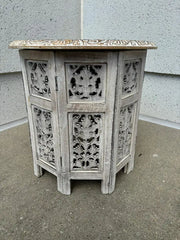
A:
x,y
83,99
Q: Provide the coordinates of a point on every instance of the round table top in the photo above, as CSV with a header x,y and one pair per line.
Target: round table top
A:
x,y
82,44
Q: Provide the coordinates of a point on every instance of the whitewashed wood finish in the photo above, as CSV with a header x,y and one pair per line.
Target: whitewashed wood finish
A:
x,y
38,78
86,141
123,102
40,102
110,100
91,96
142,56
125,131
42,119
82,107
85,82
82,44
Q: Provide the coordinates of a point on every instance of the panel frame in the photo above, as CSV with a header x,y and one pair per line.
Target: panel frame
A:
x,y
65,107
121,101
45,103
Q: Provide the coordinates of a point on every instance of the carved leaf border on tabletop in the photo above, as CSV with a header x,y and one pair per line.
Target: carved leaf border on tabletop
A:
x,y
82,43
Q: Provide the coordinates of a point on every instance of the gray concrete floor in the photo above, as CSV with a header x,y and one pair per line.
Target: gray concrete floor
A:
x,y
143,206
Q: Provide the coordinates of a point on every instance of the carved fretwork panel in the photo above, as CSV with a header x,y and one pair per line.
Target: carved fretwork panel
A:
x,y
43,129
131,77
85,82
126,125
86,137
38,78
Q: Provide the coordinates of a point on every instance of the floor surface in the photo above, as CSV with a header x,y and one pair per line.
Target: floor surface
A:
x,y
144,205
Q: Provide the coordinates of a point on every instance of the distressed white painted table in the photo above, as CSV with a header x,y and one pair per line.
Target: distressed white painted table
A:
x,y
83,100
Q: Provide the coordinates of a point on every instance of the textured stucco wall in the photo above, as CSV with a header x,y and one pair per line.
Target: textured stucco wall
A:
x,y
47,19
149,20
12,101
161,97
153,20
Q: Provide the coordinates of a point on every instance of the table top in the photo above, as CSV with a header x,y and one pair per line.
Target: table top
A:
x,y
82,44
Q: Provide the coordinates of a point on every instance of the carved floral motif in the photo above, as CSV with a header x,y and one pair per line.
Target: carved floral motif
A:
x,y
85,82
125,131
131,77
44,135
38,78
86,138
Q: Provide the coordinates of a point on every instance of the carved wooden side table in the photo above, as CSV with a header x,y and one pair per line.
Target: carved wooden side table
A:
x,y
83,100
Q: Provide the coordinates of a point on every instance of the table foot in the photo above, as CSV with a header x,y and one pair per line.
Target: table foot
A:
x,y
38,171
63,185
129,167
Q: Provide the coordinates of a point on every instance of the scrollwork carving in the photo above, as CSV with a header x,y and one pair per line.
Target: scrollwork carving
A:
x,y
126,122
131,77
85,82
44,134
86,141
38,78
